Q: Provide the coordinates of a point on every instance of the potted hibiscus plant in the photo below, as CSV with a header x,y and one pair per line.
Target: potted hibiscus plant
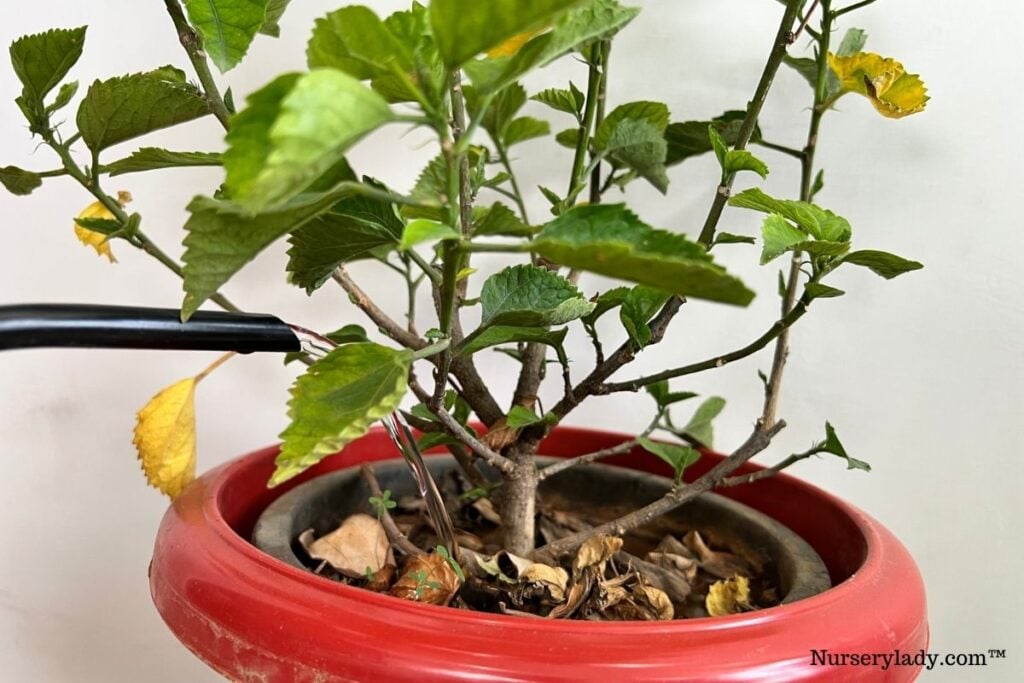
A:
x,y
518,553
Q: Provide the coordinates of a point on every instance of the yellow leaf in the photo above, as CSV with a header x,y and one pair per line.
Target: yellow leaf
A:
x,y
893,92
165,438
165,434
729,596
511,46
97,240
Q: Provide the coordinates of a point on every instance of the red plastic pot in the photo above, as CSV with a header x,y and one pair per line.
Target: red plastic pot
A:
x,y
253,618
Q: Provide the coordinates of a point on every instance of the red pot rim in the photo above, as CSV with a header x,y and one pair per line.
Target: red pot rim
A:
x,y
865,594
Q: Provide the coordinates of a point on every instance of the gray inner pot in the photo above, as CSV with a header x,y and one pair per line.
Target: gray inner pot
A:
x,y
594,492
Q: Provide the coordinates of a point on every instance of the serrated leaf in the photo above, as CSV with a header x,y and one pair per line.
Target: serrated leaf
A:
x,y
501,220
530,296
42,60
275,10
659,391
296,129
355,40
690,138
816,290
559,99
165,438
465,29
779,236
610,240
525,128
423,230
820,223
349,334
884,81
19,181
585,22
633,135
129,106
500,334
833,445
152,158
63,98
520,417
227,27
678,457
882,263
605,302
223,236
327,241
638,307
699,427
742,160
337,400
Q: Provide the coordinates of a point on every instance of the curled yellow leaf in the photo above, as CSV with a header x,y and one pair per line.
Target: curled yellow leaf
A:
x,y
729,596
165,434
165,438
97,240
893,92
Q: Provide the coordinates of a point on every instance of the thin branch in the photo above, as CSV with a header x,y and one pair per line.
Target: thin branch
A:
x,y
456,430
193,45
773,332
805,20
771,67
395,535
769,471
381,319
620,449
795,153
759,439
855,6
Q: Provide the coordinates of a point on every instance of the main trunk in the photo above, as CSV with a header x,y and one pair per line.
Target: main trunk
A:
x,y
519,504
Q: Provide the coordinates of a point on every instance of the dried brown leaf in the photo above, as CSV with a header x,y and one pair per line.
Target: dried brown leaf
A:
x,y
428,579
552,579
721,564
684,565
359,545
382,579
500,436
596,552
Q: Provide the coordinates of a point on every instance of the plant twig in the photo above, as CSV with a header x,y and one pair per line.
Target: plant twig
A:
x,y
193,45
850,8
620,449
382,320
759,439
769,471
395,535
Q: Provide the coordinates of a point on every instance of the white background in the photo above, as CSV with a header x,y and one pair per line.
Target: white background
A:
x,y
922,375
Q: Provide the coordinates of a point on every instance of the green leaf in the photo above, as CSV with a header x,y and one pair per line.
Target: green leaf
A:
x,y
729,238
835,447
223,236
638,307
882,263
42,60
550,195
734,160
105,226
805,66
691,138
501,220
699,427
354,40
633,135
779,237
465,28
522,417
423,230
152,158
18,180
525,128
853,42
126,107
605,302
568,138
530,296
503,109
611,240
337,400
63,98
678,457
500,334
227,27
816,290
349,334
820,223
294,130
275,10
659,391
819,183
561,100
328,241
585,22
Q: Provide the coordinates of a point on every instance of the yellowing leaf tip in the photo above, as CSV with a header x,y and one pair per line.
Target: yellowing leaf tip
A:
x,y
883,80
